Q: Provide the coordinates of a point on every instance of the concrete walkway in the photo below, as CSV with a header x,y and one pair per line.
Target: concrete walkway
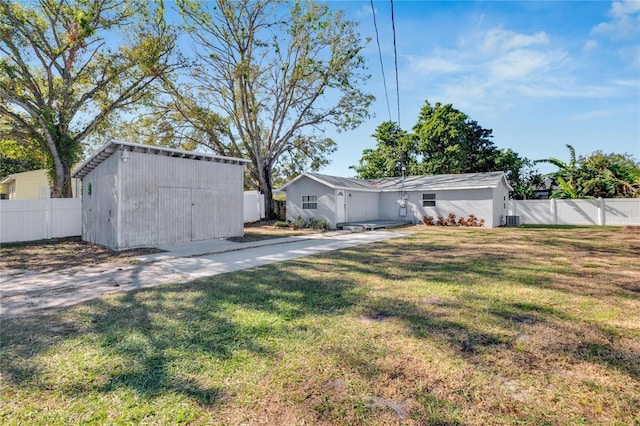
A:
x,y
25,294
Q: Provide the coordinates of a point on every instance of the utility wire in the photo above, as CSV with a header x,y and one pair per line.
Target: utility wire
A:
x,y
395,54
384,79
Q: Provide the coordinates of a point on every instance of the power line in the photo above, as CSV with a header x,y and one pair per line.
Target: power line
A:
x,y
395,56
384,79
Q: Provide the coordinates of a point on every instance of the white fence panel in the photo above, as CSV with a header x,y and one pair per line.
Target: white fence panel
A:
x,y
28,220
577,212
622,211
253,206
532,212
607,211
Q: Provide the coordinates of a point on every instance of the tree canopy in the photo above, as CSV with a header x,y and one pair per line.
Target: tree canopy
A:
x,y
444,140
596,175
268,76
67,65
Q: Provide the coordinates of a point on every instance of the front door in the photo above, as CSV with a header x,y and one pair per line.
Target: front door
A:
x,y
341,207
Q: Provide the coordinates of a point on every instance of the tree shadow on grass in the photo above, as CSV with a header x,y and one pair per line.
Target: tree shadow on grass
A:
x,y
152,331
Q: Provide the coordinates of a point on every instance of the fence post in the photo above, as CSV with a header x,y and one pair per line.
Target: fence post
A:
x,y
601,212
554,211
49,218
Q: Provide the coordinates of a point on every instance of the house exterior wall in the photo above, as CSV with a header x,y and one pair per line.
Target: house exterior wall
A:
x,y
362,205
500,205
32,185
326,201
460,202
156,199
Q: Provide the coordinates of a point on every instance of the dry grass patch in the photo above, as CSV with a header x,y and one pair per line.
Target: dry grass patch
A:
x,y
61,253
445,327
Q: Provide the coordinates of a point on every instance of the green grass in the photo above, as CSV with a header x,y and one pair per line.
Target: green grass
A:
x,y
446,327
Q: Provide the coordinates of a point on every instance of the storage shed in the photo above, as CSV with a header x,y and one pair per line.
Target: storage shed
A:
x,y
346,200
137,195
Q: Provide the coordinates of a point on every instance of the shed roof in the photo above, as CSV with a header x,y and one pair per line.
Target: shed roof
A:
x,y
111,147
410,183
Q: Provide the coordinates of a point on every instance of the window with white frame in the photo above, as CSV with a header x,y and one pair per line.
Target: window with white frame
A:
x,y
428,200
309,202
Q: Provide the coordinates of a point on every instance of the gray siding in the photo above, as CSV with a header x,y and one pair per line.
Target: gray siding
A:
x,y
460,202
326,201
500,204
362,206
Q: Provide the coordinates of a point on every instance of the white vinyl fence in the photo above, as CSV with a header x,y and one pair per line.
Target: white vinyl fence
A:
x,y
601,211
253,206
28,220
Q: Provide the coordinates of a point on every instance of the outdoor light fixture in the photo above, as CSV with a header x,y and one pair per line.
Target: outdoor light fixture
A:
x,y
124,154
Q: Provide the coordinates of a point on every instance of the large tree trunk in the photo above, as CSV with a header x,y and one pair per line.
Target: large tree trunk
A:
x,y
267,191
61,181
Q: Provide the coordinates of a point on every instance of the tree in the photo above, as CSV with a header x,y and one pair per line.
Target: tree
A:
x,y
17,158
566,177
273,73
450,142
444,140
609,175
521,174
596,175
395,149
62,74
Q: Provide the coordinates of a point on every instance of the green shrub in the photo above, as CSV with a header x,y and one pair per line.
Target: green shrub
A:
x,y
281,224
301,223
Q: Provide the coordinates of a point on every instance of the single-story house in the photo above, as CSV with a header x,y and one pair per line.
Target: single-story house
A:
x,y
32,185
341,200
137,195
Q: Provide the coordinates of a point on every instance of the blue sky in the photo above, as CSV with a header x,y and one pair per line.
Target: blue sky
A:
x,y
540,74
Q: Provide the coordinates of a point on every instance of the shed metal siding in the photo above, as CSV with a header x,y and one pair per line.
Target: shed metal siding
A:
x,y
100,204
154,198
208,200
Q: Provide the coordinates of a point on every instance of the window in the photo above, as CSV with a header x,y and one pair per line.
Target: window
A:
x,y
428,200
309,202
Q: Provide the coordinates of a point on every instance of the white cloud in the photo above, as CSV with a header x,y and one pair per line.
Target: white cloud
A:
x,y
499,40
498,68
625,22
435,65
625,7
590,45
588,116
522,63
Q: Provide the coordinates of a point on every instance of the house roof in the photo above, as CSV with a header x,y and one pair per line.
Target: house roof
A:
x,y
410,183
111,147
435,182
335,182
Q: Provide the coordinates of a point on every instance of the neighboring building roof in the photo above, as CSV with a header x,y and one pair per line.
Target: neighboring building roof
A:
x,y
109,148
410,183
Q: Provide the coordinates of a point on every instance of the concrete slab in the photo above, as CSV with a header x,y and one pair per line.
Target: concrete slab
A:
x,y
24,294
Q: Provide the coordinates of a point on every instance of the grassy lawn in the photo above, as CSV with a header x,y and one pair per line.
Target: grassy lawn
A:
x,y
445,327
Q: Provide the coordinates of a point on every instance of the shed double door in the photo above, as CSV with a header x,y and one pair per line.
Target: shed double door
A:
x,y
187,214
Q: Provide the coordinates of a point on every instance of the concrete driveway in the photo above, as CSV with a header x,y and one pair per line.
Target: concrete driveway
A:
x,y
24,294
